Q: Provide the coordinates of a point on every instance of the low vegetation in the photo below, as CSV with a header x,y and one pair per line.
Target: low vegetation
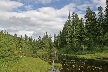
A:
x,y
26,64
94,56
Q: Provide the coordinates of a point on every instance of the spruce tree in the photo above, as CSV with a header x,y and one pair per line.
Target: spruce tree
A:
x,y
105,26
76,26
100,29
81,35
90,25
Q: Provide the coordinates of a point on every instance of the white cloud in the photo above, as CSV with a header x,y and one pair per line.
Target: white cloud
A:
x,y
72,7
100,3
6,5
28,33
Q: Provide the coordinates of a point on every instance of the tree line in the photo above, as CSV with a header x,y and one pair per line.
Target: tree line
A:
x,y
88,34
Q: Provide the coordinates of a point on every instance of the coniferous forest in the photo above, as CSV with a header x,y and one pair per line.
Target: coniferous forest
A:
x,y
79,35
91,35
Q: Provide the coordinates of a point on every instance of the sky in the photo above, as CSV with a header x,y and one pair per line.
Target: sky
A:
x,y
35,17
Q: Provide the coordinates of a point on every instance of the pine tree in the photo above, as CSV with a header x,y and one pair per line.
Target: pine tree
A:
x,y
106,20
81,35
90,25
75,32
64,35
105,26
100,29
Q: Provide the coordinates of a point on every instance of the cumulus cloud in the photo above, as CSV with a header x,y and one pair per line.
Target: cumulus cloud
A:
x,y
65,10
6,5
34,21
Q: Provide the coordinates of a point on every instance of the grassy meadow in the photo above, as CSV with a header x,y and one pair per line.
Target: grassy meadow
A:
x,y
26,64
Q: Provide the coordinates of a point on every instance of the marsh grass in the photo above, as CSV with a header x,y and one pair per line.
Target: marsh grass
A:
x,y
93,55
26,64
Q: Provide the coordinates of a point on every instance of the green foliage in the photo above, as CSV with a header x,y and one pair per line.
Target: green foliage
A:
x,y
8,50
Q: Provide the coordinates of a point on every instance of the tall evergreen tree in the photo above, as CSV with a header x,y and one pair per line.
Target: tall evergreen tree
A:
x,y
77,26
105,26
90,25
100,29
81,35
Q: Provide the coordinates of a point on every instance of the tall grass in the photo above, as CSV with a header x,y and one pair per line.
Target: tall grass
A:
x,y
27,64
94,56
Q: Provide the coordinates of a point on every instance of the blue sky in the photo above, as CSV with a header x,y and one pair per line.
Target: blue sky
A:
x,y
57,4
38,4
35,17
